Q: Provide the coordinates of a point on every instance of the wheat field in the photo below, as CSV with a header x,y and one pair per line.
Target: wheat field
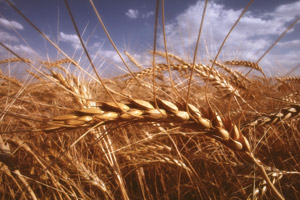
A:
x,y
175,129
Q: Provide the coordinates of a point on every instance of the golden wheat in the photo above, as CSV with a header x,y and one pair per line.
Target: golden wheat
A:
x,y
244,63
65,137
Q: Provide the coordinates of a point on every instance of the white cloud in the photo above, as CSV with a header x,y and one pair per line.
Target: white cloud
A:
x,y
4,37
70,38
10,24
110,55
282,63
289,44
23,50
147,14
132,14
251,37
287,11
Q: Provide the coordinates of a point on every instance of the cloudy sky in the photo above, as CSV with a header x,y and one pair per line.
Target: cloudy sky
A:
x,y
130,24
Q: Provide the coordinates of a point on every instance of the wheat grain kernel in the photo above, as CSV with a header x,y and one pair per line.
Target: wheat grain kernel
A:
x,y
131,114
65,117
75,122
85,118
106,116
221,132
236,145
205,122
91,111
182,115
142,104
112,105
169,106
156,114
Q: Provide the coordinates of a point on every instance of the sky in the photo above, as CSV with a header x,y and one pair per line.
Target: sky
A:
x,y
131,25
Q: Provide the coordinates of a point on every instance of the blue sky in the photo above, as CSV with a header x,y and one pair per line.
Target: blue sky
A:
x,y
130,24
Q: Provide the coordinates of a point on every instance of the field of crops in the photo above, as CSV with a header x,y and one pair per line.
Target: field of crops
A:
x,y
174,129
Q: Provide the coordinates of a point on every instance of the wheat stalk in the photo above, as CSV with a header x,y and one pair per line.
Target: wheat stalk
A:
x,y
7,158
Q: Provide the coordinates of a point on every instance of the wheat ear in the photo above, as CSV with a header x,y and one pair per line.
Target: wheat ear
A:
x,y
10,79
17,59
276,117
211,125
244,63
289,79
